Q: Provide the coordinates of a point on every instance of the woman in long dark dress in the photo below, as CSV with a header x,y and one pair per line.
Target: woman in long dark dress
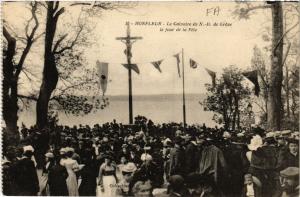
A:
x,y
57,180
88,176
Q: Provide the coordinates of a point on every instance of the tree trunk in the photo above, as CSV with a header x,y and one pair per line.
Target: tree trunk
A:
x,y
294,108
50,78
224,112
287,91
231,112
10,114
275,86
234,116
11,111
238,115
9,94
50,73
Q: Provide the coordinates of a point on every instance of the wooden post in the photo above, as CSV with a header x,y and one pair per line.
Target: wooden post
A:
x,y
183,93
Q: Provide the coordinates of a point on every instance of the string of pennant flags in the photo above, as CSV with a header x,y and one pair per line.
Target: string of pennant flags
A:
x,y
157,65
103,71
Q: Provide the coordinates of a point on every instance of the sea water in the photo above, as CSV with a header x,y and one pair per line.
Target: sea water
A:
x,y
159,108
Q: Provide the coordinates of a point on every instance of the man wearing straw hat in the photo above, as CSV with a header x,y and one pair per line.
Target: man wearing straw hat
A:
x,y
127,173
290,182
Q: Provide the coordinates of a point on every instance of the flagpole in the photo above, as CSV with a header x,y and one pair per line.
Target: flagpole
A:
x,y
183,92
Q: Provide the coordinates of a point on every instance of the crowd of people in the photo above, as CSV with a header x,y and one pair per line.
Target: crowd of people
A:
x,y
147,159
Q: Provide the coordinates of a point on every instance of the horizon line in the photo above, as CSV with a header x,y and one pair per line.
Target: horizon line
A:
x,y
155,94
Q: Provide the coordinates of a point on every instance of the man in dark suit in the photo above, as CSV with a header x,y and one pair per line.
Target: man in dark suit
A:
x,y
26,178
191,156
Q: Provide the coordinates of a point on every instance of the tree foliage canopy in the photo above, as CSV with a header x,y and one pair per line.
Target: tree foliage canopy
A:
x,y
228,99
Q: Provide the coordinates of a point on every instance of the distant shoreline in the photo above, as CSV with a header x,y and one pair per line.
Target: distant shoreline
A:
x,y
158,94
157,97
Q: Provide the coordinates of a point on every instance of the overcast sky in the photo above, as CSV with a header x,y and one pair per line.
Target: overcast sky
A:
x,y
211,47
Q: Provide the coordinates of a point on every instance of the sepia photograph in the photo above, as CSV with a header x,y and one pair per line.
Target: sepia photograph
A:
x,y
150,98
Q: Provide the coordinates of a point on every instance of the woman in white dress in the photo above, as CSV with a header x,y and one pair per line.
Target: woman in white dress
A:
x,y
123,162
107,184
72,166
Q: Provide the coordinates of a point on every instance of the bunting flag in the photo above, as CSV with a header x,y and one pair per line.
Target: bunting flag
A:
x,y
193,64
103,75
252,76
213,76
133,67
178,62
157,65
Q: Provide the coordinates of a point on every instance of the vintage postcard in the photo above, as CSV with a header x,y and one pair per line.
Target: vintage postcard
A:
x,y
148,98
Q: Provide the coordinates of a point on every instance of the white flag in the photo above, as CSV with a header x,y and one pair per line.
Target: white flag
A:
x,y
103,75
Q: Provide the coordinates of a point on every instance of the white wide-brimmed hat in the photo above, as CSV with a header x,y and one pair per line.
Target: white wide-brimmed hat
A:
x,y
129,167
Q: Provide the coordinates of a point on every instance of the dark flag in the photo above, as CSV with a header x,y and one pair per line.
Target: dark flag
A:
x,y
133,67
178,61
103,75
252,76
212,75
193,64
157,65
